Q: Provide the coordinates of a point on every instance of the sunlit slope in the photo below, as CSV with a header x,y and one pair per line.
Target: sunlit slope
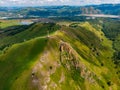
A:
x,y
69,59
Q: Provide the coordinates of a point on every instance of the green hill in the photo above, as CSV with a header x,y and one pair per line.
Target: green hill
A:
x,y
70,58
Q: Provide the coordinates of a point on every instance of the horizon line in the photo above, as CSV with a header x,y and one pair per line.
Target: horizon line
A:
x,y
59,5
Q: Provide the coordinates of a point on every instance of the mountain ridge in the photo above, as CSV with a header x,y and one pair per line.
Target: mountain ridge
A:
x,y
75,58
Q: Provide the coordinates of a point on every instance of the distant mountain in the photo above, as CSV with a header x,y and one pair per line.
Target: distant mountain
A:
x,y
53,11
113,9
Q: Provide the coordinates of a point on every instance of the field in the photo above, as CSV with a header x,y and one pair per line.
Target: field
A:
x,y
7,23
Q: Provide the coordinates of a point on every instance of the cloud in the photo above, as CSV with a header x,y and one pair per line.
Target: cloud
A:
x,y
53,2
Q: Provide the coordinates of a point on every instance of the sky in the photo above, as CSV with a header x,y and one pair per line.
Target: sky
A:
x,y
54,2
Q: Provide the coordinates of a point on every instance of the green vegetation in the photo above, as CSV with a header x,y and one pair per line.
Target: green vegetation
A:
x,y
111,28
18,34
7,23
17,60
72,57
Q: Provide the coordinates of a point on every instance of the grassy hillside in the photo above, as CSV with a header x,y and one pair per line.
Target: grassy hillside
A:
x,y
17,34
71,58
111,28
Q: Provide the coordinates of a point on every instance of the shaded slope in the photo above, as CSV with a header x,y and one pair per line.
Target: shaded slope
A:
x,y
111,28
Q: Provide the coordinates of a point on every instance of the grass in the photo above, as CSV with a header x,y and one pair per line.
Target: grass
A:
x,y
7,23
16,63
26,33
104,53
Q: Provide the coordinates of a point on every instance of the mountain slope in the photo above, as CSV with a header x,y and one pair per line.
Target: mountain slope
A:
x,y
69,59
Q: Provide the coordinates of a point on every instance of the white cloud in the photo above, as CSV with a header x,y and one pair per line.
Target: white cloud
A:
x,y
53,2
